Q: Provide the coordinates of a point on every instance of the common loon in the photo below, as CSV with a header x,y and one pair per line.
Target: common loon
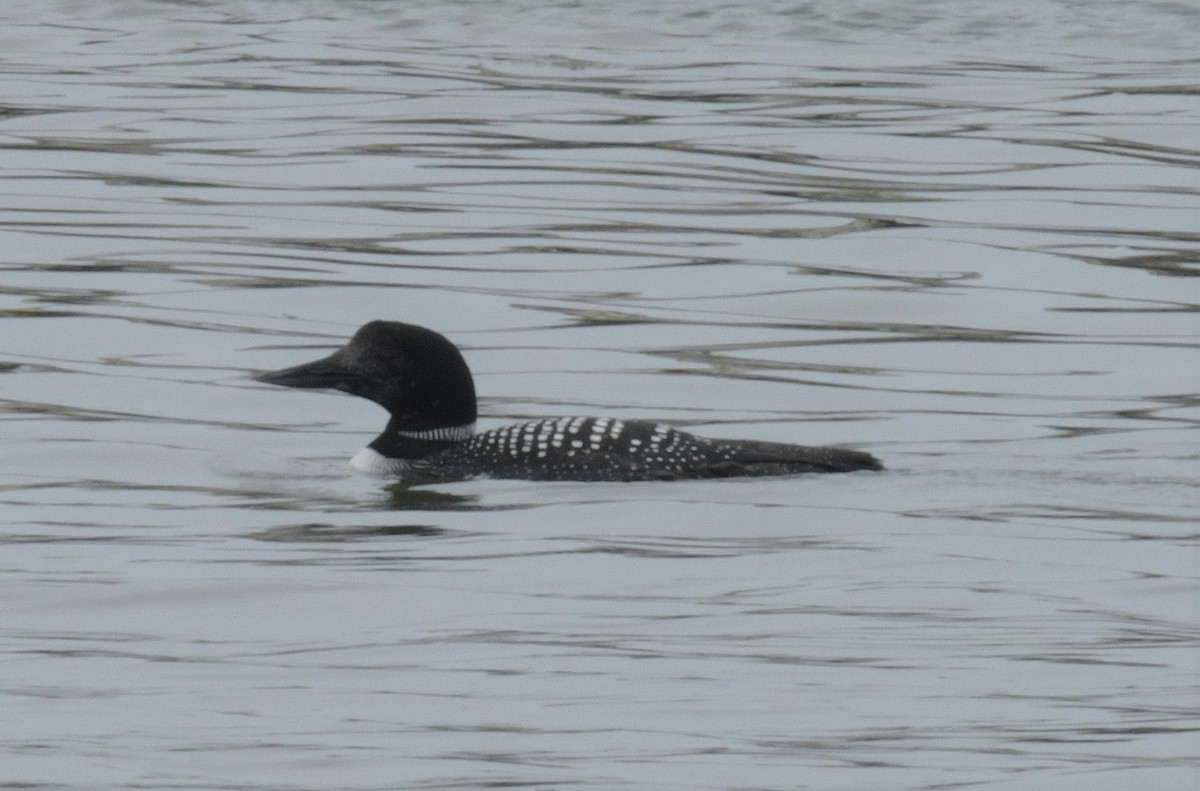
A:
x,y
422,380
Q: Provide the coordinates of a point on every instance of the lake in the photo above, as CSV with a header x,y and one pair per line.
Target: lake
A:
x,y
958,235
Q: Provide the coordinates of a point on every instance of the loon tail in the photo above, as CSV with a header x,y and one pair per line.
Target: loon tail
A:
x,y
773,458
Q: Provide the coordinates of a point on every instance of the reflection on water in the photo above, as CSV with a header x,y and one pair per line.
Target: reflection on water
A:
x,y
332,533
957,239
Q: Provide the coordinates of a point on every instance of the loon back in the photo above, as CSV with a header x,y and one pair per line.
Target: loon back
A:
x,y
424,383
602,449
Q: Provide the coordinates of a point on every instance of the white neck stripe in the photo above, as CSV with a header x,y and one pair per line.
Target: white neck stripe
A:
x,y
453,433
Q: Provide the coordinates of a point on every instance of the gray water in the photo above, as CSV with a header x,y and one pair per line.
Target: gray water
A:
x,y
960,235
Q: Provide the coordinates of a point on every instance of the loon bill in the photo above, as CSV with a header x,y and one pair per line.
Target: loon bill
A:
x,y
421,379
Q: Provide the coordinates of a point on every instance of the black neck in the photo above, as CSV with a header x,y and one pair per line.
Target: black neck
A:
x,y
398,442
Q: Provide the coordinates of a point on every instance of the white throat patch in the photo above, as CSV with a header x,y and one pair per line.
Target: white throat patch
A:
x,y
372,461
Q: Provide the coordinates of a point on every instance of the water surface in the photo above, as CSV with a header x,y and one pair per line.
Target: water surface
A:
x,y
963,241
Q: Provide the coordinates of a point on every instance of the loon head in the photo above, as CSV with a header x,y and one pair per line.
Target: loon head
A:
x,y
414,373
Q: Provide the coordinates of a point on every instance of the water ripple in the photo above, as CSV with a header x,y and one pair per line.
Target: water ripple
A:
x,y
951,236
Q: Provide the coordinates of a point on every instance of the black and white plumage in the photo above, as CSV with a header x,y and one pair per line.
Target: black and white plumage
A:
x,y
424,383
